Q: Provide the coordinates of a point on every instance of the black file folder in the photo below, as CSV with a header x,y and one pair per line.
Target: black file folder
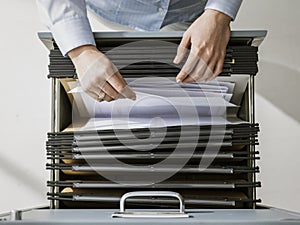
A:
x,y
78,155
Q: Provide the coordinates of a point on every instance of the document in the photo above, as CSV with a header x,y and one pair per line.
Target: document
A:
x,y
160,103
135,123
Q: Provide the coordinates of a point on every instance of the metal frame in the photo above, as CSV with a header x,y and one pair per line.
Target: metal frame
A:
x,y
252,120
257,35
55,127
47,38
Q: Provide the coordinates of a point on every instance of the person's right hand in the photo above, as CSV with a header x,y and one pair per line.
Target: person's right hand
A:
x,y
98,76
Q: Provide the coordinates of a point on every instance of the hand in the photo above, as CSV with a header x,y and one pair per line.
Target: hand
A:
x,y
208,37
98,76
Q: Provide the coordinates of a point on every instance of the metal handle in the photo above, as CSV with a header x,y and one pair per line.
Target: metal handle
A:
x,y
152,194
230,62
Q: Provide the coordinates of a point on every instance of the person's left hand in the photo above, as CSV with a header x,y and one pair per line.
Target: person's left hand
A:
x,y
208,37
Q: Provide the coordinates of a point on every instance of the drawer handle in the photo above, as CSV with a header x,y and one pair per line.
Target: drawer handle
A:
x,y
157,214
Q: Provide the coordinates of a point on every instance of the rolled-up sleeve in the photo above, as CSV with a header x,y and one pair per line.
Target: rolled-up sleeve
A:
x,y
228,7
68,22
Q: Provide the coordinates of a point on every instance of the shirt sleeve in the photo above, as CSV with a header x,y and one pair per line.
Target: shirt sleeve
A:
x,y
228,7
68,22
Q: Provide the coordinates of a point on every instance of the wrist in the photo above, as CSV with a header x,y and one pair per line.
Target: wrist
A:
x,y
219,16
74,53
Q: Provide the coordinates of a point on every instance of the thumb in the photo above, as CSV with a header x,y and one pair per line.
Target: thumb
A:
x,y
182,48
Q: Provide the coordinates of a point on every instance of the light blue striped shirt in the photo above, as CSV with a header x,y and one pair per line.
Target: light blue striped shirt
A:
x,y
68,22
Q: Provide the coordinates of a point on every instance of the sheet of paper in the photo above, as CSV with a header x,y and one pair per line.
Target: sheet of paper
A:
x,y
186,93
147,105
161,103
133,123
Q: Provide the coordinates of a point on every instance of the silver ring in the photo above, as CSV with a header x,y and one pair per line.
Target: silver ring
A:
x,y
101,96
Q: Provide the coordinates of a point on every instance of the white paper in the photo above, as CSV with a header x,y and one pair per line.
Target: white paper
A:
x,y
161,103
133,123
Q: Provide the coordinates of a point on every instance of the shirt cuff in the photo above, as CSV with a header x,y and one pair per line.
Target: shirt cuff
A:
x,y
72,33
228,7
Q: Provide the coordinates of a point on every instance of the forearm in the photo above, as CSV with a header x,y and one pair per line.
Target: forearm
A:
x,y
68,23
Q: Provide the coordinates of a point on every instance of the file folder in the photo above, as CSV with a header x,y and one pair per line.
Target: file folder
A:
x,y
79,149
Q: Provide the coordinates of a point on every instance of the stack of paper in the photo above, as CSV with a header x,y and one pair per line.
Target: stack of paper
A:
x,y
161,102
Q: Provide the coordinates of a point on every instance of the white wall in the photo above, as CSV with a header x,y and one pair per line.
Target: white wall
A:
x,y
25,102
277,102
25,96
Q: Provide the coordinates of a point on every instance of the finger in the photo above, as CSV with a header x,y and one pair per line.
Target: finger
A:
x,y
122,94
218,69
189,79
219,66
209,73
220,63
127,92
203,68
108,98
96,93
102,96
182,49
188,67
120,85
197,73
109,90
117,83
94,96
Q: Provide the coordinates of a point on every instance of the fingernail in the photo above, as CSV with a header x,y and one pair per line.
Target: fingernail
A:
x,y
129,93
176,59
211,78
178,80
133,97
